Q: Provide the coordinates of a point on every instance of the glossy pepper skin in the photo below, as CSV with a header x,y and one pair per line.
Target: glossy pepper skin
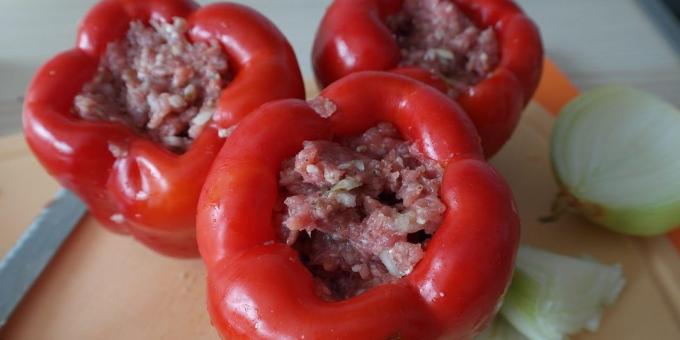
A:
x,y
147,191
353,37
259,288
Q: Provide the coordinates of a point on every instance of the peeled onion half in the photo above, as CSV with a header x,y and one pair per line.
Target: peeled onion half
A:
x,y
616,154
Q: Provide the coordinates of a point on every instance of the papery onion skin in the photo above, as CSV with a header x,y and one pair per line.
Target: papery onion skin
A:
x,y
643,221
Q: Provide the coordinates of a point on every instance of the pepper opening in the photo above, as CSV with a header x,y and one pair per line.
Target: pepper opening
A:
x,y
359,210
437,36
157,82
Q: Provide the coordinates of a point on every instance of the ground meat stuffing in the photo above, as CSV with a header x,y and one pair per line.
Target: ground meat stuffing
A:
x,y
438,36
360,210
157,82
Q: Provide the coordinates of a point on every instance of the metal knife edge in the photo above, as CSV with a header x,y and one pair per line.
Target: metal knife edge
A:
x,y
34,249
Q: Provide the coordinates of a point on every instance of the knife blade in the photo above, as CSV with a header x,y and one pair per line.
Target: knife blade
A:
x,y
35,248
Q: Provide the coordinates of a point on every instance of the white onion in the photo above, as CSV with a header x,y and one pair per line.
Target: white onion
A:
x,y
616,154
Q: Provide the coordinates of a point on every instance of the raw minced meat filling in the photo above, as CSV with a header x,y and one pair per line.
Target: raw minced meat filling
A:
x,y
360,210
438,36
158,82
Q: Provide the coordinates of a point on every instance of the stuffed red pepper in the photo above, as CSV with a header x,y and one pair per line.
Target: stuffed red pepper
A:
x,y
132,117
367,213
487,54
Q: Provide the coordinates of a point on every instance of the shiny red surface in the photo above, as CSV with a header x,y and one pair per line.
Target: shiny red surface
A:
x,y
258,288
353,37
76,152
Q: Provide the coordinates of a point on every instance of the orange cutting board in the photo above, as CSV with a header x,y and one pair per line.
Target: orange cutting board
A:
x,y
106,286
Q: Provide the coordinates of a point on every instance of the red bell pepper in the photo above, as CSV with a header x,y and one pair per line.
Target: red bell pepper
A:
x,y
77,152
353,37
259,288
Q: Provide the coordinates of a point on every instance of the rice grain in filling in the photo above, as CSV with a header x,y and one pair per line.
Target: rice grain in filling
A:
x,y
436,35
157,82
360,209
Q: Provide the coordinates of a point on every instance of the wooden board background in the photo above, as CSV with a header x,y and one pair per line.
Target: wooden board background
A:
x,y
106,286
